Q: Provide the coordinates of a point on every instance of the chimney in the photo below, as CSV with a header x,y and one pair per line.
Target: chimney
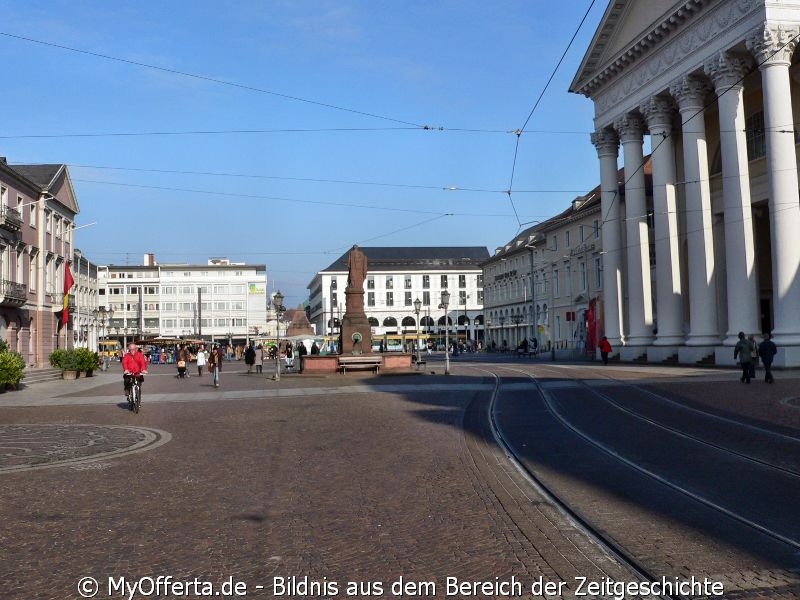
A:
x,y
150,260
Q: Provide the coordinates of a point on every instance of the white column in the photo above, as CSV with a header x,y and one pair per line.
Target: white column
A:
x,y
607,144
727,72
640,301
773,47
659,112
690,93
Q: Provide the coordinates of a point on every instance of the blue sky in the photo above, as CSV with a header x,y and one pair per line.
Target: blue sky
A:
x,y
452,64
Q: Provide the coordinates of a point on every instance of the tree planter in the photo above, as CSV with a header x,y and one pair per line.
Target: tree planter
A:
x,y
90,373
69,374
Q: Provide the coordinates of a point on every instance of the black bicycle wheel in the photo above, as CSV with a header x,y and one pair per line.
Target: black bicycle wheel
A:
x,y
137,398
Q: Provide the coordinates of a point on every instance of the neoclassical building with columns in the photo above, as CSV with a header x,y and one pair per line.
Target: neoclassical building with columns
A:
x,y
711,86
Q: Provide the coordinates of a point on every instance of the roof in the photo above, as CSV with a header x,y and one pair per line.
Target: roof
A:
x,y
416,258
53,178
41,175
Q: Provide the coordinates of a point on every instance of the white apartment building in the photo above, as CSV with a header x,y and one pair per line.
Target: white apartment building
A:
x,y
396,278
86,329
217,301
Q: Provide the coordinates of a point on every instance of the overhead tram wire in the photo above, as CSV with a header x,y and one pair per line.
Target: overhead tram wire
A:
x,y
215,80
702,110
521,130
447,188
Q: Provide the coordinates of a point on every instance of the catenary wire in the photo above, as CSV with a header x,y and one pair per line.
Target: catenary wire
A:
x,y
213,80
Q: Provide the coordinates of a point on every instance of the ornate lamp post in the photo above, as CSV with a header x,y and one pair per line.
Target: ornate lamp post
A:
x,y
277,304
516,320
445,304
502,322
487,323
417,309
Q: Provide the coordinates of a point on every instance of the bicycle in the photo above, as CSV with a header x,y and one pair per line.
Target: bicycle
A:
x,y
134,394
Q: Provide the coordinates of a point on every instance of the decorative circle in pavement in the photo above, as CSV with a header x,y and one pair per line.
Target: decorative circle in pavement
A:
x,y
793,401
41,446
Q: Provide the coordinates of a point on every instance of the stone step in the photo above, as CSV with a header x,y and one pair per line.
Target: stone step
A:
x,y
33,376
671,360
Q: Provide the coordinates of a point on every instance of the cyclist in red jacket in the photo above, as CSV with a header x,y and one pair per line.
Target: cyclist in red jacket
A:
x,y
134,364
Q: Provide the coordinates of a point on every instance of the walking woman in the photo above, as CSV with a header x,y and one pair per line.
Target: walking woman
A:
x,y
201,360
259,358
215,364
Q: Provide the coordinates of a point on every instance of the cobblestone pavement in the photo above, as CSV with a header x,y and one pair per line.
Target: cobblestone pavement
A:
x,y
388,482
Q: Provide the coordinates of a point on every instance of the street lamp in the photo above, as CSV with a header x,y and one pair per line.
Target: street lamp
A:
x,y
417,309
487,323
277,304
445,303
502,322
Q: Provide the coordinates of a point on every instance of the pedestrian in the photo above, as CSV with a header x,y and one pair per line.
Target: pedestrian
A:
x,y
605,349
767,350
201,360
314,348
753,355
183,361
302,351
535,346
289,356
249,357
744,351
215,364
259,358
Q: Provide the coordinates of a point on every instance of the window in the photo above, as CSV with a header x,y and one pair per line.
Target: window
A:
x,y
558,327
480,280
480,297
220,289
389,282
221,305
133,290
554,245
407,300
186,306
237,305
580,234
568,282
168,290
754,133
371,283
32,209
555,283
597,270
443,281
407,282
426,282
204,289
169,323
32,271
187,289
462,281
426,298
168,305
334,300
115,290
237,289
370,298
334,284
462,298
566,239
48,220
596,229
389,298
150,290
582,273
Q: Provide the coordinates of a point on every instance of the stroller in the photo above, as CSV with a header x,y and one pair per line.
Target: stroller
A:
x,y
181,369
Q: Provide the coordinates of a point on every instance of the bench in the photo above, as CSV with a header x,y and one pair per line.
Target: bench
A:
x,y
360,362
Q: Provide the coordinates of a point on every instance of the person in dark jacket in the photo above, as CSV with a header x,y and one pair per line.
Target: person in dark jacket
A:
x,y
767,351
250,357
744,352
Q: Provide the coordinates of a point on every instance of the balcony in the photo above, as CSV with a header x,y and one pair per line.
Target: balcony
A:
x,y
13,294
10,218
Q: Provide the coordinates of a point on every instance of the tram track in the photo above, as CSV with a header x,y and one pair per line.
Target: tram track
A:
x,y
623,554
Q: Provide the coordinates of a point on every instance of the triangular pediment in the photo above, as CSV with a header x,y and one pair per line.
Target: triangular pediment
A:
x,y
630,27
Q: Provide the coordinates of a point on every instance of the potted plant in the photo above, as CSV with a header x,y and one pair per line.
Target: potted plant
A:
x,y
86,360
11,367
57,358
70,365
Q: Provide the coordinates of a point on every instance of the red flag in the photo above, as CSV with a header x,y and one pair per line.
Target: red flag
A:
x,y
68,283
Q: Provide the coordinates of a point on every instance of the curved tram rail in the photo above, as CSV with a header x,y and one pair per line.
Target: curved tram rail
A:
x,y
624,556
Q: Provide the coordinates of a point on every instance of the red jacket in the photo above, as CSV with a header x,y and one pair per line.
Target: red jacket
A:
x,y
134,363
605,346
